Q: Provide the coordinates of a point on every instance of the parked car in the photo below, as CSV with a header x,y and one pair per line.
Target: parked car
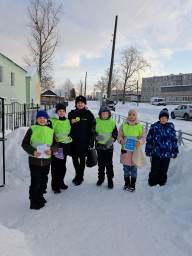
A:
x,y
111,105
183,111
158,101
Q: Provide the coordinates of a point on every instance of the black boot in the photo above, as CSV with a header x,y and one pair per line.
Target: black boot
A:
x,y
132,187
36,204
110,183
127,182
63,186
100,181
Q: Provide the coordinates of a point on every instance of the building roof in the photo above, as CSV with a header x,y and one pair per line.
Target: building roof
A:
x,y
12,61
58,92
30,70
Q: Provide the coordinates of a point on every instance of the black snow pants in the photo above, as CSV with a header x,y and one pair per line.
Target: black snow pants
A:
x,y
39,179
105,160
58,171
79,165
158,173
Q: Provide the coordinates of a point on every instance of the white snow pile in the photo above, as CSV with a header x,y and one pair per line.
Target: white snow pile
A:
x,y
88,220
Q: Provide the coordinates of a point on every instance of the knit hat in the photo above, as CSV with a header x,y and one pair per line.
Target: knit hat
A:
x,y
60,106
133,111
164,112
80,98
104,109
42,113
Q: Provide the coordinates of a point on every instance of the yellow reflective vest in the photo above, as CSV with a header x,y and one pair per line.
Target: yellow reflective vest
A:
x,y
62,129
41,135
132,131
105,128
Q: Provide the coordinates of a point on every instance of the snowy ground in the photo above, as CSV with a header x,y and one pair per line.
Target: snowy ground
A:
x,y
88,220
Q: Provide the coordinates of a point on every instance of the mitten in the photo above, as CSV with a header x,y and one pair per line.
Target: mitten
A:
x,y
148,154
109,143
174,156
100,137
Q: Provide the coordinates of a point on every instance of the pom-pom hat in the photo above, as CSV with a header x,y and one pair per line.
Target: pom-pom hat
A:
x,y
164,112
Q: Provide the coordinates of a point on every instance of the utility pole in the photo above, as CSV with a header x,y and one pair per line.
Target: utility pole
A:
x,y
137,93
85,83
112,59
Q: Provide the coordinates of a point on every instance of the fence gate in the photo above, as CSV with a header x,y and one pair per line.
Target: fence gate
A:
x,y
2,143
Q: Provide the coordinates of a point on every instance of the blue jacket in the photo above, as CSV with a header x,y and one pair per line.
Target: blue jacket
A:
x,y
162,140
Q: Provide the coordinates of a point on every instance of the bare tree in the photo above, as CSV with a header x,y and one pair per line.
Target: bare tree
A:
x,y
131,64
67,87
43,19
102,84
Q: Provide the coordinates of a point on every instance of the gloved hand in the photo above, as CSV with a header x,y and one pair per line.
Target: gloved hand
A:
x,y
109,143
100,137
148,154
174,156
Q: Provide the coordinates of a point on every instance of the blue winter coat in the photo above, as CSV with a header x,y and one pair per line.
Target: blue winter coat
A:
x,y
162,140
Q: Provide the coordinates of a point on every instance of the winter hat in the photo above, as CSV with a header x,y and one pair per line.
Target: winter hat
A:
x,y
133,111
164,112
104,109
60,106
42,113
80,98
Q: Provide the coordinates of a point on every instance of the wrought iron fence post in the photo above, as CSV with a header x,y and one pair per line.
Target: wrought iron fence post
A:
x,y
25,117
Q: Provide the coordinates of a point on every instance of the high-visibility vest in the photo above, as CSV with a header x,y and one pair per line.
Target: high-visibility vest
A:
x,y
105,128
41,135
62,128
132,131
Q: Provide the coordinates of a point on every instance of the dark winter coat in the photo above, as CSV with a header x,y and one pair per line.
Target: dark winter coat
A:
x,y
30,150
162,140
103,146
81,130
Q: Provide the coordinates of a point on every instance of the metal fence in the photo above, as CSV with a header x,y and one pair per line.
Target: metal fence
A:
x,y
2,142
181,135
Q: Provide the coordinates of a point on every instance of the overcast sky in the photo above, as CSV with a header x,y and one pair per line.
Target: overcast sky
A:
x,y
160,29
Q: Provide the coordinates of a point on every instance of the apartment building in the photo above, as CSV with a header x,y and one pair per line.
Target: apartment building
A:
x,y
176,89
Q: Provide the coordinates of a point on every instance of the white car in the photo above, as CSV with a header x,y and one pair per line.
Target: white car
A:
x,y
183,111
158,101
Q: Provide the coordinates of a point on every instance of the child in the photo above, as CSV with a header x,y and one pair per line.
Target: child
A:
x,y
130,129
161,145
39,135
105,133
62,129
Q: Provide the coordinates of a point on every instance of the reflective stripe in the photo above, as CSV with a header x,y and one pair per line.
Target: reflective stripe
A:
x,y
66,140
105,134
62,135
38,144
132,137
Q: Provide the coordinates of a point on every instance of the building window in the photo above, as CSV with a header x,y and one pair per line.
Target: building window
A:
x,y
12,79
1,74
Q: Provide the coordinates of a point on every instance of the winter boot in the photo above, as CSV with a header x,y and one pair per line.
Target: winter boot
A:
x,y
127,182
132,187
100,181
56,190
36,204
78,181
63,186
110,183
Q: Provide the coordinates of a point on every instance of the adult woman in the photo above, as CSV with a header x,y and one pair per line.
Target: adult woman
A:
x,y
81,123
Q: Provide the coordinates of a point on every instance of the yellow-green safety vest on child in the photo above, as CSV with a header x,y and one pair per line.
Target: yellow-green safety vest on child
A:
x,y
132,131
62,130
41,135
105,128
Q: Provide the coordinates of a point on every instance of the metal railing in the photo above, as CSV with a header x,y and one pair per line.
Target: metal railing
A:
x,y
181,135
